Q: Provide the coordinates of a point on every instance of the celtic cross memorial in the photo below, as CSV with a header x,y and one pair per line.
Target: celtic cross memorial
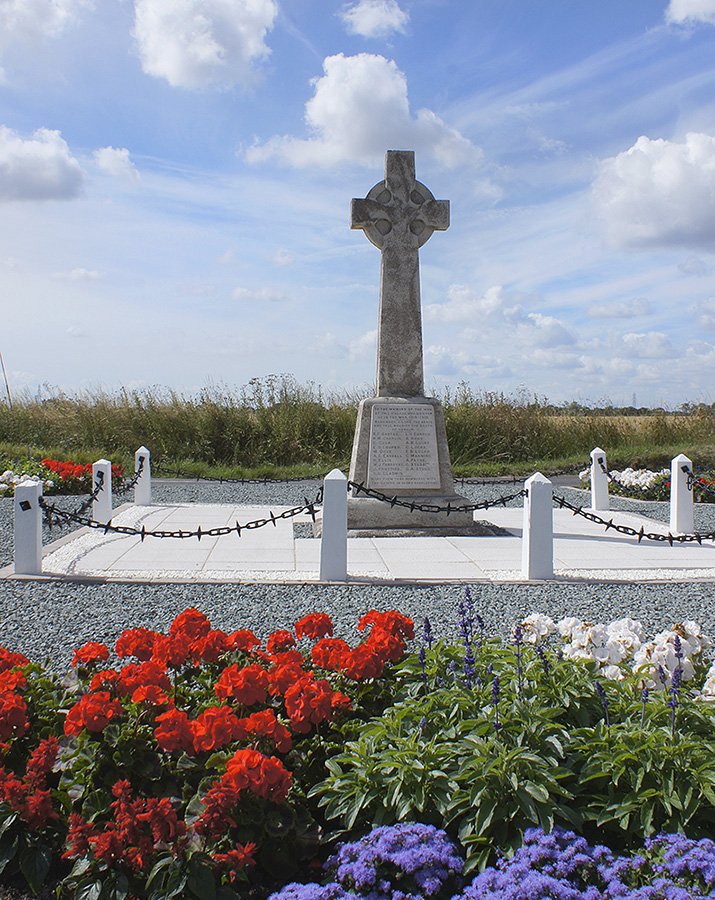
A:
x,y
400,445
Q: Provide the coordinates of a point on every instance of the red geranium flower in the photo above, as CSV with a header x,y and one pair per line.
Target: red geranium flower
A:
x,y
246,685
137,642
391,621
264,724
264,776
90,653
214,728
174,731
308,703
9,660
280,640
192,623
211,647
244,640
13,716
93,712
330,653
314,625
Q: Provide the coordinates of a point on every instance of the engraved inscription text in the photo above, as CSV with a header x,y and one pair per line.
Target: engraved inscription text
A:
x,y
403,447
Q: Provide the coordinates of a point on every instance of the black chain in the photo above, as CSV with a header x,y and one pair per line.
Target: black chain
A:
x,y
631,532
604,469
126,486
177,473
98,488
51,511
432,507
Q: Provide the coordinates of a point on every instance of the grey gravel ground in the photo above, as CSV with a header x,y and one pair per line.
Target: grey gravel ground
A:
x,y
47,620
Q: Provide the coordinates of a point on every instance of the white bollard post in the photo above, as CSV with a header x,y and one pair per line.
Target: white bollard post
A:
x,y
681,496
334,537
142,489
28,528
537,542
102,505
599,480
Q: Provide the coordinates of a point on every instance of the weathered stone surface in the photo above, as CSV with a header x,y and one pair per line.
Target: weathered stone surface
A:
x,y
400,446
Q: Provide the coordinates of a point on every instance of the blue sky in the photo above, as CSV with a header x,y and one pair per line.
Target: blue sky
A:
x,y
176,177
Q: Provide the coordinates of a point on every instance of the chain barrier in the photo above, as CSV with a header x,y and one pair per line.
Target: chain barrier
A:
x,y
177,473
631,532
432,507
52,512
605,470
126,486
98,488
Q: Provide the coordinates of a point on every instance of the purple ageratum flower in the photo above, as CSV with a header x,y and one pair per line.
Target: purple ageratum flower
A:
x,y
295,891
601,691
404,860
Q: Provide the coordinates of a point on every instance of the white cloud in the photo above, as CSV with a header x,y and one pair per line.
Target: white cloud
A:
x,y
660,192
115,161
621,309
37,168
27,22
375,18
282,258
261,295
358,110
694,265
202,43
706,313
691,11
545,331
649,344
79,274
465,305
363,346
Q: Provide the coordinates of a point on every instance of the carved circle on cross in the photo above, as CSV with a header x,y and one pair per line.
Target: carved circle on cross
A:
x,y
395,211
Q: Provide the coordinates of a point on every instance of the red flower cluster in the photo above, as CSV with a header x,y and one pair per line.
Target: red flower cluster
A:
x,y
137,829
235,860
93,712
314,625
90,654
69,471
29,797
248,770
13,709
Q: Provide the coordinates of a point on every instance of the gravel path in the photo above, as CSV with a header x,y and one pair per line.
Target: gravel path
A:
x,y
47,620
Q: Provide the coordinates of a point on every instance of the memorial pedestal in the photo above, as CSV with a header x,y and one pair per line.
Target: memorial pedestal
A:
x,y
400,449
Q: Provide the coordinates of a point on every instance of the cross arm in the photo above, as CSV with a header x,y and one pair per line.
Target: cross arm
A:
x,y
435,214
365,212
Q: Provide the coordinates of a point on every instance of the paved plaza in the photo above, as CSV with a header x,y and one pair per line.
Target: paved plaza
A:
x,y
582,551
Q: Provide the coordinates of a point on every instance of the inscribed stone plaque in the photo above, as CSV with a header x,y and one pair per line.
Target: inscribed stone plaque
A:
x,y
403,447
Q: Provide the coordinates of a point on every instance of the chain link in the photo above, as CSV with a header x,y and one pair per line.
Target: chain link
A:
x,y
177,473
432,507
50,511
126,486
631,532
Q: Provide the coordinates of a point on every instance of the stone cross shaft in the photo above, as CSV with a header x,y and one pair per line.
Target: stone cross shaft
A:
x,y
398,216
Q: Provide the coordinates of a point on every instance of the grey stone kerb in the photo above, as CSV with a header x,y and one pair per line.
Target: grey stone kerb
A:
x,y
399,215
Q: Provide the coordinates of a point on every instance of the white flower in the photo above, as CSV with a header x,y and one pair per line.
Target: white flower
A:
x,y
7,476
4,487
536,626
708,691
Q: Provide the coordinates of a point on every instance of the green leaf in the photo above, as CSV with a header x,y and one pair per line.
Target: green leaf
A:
x,y
35,863
88,890
201,882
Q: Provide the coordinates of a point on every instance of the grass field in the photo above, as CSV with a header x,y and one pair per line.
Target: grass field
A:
x,y
279,427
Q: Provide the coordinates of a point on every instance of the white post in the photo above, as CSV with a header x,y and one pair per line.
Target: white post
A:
x,y
142,489
681,496
102,505
28,528
537,542
599,479
334,537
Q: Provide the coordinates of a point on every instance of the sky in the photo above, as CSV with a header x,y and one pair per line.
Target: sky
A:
x,y
176,178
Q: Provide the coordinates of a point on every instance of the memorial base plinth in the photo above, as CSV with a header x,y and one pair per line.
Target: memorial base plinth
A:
x,y
400,450
366,513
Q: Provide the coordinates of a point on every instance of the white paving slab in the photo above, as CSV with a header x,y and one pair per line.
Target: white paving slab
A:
x,y
582,551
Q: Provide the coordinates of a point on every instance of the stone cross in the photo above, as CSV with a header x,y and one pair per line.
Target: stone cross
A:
x,y
398,216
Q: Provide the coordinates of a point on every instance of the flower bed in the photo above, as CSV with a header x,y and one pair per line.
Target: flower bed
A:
x,y
644,484
201,763
57,476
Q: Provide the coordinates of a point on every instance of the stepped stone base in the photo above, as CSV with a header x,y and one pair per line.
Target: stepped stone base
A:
x,y
400,449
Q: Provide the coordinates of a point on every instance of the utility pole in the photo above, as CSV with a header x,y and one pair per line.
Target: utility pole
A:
x,y
7,386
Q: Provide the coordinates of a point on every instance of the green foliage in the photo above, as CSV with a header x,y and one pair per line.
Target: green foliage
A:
x,y
447,754
275,426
